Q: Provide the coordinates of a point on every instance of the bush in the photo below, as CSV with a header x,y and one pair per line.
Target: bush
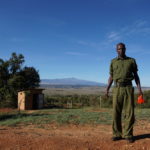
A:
x,y
78,101
89,100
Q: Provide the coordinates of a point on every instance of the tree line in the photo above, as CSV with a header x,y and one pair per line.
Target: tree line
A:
x,y
14,77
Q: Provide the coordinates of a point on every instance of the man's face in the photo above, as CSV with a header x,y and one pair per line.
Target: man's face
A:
x,y
121,50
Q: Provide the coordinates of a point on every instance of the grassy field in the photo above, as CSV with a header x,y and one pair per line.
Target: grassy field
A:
x,y
82,116
72,91
80,91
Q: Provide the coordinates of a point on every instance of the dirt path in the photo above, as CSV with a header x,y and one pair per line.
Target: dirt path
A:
x,y
71,137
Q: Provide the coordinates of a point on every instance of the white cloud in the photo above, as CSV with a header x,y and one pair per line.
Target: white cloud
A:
x,y
113,36
76,53
141,27
138,27
140,23
85,43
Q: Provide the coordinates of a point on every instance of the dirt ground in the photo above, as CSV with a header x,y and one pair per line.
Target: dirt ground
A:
x,y
71,137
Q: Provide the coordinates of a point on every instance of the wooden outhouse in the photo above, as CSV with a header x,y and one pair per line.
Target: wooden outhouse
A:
x,y
30,99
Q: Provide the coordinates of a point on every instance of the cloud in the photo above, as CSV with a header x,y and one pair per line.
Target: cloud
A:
x,y
140,23
141,27
76,53
113,36
85,43
138,27
132,30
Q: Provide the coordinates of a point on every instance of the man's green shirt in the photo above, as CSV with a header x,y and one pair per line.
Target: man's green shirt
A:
x,y
122,70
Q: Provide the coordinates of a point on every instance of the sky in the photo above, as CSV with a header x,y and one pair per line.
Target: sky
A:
x,y
76,38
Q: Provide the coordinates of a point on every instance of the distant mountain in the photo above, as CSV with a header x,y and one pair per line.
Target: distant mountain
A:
x,y
70,81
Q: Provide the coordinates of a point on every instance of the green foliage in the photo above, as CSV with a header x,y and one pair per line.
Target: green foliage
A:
x,y
93,100
15,63
14,77
86,115
59,116
31,77
78,101
4,72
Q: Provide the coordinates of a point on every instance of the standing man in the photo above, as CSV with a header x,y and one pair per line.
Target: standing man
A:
x,y
123,70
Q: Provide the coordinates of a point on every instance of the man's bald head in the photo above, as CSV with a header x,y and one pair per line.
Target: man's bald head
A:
x,y
121,44
121,49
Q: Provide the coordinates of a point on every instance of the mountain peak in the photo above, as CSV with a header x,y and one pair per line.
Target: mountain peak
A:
x,y
70,81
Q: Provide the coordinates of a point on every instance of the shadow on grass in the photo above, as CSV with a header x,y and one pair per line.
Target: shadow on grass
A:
x,y
142,136
54,107
14,116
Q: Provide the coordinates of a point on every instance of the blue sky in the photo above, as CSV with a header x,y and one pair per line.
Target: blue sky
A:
x,y
76,38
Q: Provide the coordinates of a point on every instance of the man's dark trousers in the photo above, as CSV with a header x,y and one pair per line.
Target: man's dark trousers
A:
x,y
123,97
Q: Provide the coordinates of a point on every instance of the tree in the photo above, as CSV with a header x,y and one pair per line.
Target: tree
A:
x,y
4,73
15,63
15,77
31,77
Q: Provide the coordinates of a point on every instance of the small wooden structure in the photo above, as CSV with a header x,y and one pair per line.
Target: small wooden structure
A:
x,y
30,99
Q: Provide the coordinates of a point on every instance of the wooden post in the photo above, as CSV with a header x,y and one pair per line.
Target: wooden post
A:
x,y
69,103
100,102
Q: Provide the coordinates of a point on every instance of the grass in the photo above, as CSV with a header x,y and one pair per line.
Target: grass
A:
x,y
143,114
64,116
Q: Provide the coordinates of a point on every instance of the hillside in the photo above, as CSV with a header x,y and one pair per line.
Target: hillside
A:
x,y
68,82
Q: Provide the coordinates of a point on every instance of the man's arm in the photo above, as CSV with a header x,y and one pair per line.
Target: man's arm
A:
x,y
137,81
110,81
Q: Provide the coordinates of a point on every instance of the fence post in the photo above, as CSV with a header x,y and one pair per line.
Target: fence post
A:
x,y
69,103
100,102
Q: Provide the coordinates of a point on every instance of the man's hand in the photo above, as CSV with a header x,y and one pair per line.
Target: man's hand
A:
x,y
141,93
110,81
137,80
107,93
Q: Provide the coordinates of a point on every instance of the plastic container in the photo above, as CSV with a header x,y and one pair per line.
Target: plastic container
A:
x,y
140,100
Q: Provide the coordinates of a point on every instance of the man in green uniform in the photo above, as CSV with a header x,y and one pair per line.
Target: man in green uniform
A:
x,y
123,70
